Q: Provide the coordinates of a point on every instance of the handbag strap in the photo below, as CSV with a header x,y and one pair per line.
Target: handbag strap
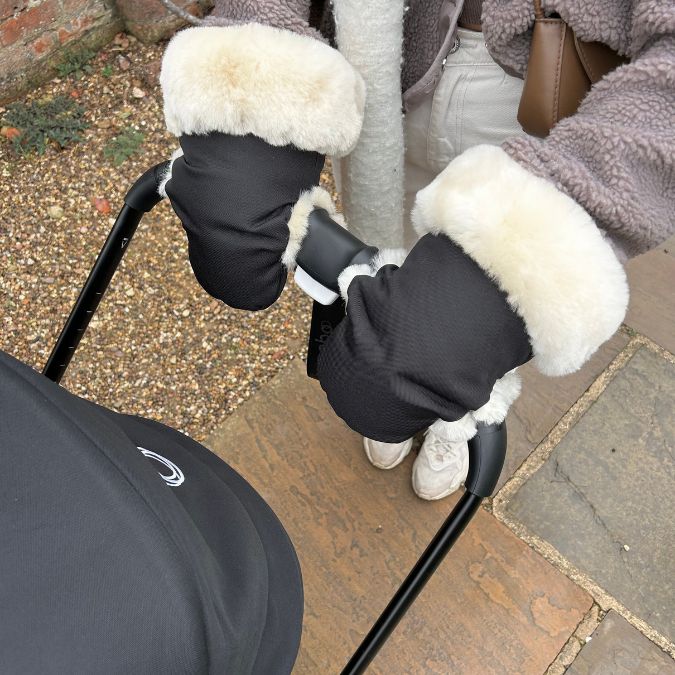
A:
x,y
538,10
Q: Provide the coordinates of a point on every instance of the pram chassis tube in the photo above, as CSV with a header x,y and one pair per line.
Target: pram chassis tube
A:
x,y
486,450
141,198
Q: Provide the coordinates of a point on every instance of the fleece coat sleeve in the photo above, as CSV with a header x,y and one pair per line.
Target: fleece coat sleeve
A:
x,y
293,15
548,220
616,155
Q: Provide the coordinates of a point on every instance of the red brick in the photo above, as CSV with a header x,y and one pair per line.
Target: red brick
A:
x,y
9,33
28,21
74,29
10,7
35,29
43,44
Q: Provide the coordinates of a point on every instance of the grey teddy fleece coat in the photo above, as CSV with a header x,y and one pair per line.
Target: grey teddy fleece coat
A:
x,y
616,156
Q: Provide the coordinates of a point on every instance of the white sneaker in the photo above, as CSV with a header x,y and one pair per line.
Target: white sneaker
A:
x,y
440,468
386,455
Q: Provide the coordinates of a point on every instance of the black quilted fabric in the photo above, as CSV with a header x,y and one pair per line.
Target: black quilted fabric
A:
x,y
234,196
424,341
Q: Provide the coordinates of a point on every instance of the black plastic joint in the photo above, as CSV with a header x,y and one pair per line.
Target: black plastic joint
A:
x,y
144,193
487,450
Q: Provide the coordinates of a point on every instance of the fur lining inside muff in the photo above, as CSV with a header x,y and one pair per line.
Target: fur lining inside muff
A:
x,y
387,256
542,248
166,175
505,391
285,88
316,198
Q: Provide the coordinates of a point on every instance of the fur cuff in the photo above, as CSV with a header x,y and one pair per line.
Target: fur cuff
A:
x,y
316,198
464,429
542,249
505,391
387,256
285,88
166,176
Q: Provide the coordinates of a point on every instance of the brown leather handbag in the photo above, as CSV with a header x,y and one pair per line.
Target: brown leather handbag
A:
x,y
560,72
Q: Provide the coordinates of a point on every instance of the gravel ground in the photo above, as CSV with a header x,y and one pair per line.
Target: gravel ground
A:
x,y
159,346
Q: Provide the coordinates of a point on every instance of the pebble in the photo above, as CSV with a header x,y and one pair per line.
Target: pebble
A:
x,y
55,212
123,62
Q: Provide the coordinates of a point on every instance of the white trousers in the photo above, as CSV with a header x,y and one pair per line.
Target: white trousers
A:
x,y
475,102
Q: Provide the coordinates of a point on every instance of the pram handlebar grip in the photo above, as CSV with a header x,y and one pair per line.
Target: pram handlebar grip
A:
x,y
487,450
326,250
144,194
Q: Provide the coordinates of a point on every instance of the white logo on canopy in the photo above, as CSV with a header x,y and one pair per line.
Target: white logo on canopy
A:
x,y
175,478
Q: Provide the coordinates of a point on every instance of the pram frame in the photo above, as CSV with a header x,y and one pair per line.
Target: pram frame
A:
x,y
486,450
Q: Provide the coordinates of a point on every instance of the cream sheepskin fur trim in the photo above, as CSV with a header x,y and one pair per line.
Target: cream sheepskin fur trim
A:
x,y
166,176
285,88
316,198
387,256
462,430
504,393
543,250
348,274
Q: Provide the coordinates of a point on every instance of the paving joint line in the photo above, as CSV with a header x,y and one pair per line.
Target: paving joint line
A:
x,y
570,650
540,455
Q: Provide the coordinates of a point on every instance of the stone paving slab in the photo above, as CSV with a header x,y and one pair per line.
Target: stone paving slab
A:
x,y
616,648
605,496
494,606
652,303
544,400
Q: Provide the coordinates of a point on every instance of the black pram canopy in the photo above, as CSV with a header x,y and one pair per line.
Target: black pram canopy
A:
x,y
126,547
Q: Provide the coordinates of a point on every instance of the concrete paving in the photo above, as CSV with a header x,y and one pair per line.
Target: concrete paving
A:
x,y
652,302
544,400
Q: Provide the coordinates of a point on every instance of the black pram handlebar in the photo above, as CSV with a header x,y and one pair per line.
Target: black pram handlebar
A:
x,y
326,250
